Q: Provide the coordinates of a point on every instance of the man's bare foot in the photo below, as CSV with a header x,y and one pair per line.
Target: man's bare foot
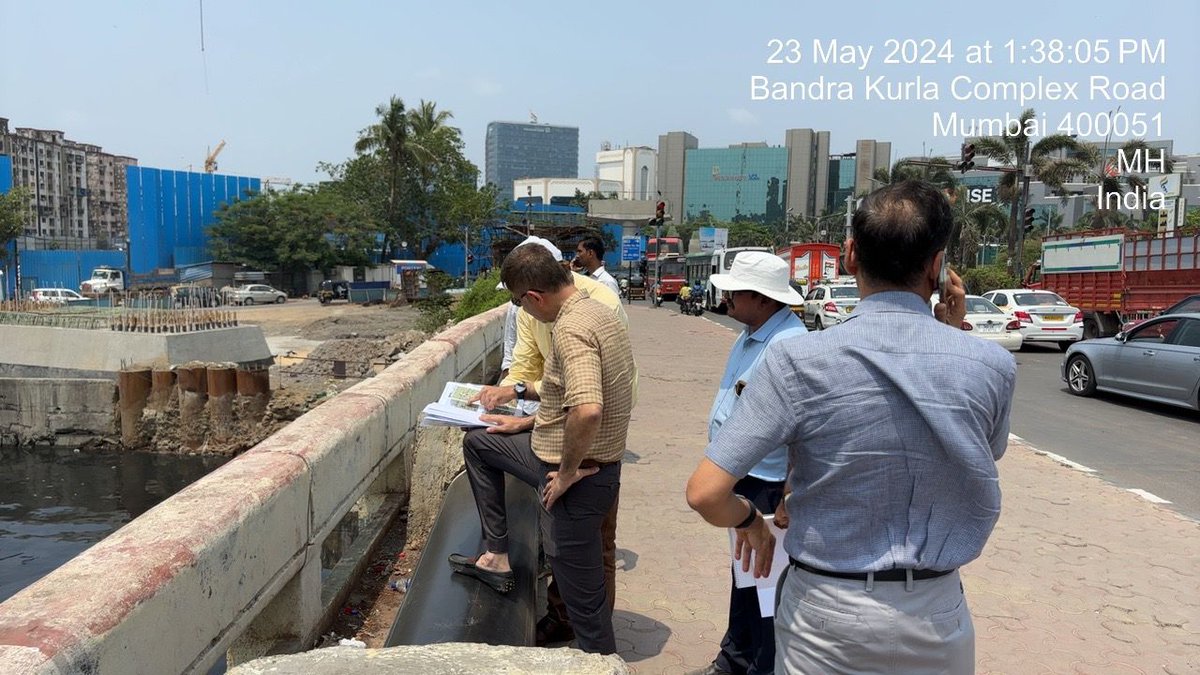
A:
x,y
493,562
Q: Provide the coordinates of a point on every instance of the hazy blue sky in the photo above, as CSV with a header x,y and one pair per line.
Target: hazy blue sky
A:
x,y
288,84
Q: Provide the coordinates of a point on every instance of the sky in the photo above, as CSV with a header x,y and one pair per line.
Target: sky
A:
x,y
288,85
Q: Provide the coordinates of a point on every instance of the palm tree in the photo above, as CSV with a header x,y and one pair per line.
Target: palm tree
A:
x,y
1046,160
936,170
1102,173
973,224
430,136
388,139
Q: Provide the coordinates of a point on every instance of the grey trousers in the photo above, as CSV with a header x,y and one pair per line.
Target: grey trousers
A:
x,y
571,530
827,625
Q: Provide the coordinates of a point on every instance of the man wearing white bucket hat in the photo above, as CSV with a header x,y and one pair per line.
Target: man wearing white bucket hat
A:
x,y
758,294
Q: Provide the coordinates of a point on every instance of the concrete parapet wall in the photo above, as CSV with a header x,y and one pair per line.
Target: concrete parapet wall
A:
x,y
233,561
45,411
38,351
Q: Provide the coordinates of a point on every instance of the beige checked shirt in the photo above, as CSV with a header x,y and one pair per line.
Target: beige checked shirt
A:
x,y
590,361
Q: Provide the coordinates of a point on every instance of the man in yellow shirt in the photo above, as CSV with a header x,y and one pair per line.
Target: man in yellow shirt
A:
x,y
524,378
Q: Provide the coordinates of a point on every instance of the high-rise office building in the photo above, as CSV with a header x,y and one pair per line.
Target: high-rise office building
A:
x,y
808,171
672,157
745,181
762,183
870,156
516,150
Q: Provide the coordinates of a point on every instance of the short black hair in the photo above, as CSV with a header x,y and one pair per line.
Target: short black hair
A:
x,y
899,228
595,245
532,268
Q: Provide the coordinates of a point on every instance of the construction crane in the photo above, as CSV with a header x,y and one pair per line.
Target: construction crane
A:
x,y
210,162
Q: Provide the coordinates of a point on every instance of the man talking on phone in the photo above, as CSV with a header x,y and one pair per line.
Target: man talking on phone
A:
x,y
893,424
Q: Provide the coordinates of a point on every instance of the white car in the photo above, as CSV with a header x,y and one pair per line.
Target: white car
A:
x,y
829,304
985,320
56,296
256,294
1044,316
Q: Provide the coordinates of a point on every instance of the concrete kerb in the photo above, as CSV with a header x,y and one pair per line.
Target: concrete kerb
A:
x,y
342,443
246,521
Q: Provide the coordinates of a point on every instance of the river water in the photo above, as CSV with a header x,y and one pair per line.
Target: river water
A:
x,y
56,502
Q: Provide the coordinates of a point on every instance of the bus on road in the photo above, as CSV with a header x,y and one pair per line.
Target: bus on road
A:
x,y
664,246
700,266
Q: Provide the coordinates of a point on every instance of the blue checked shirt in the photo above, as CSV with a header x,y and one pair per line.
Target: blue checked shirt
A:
x,y
747,351
893,423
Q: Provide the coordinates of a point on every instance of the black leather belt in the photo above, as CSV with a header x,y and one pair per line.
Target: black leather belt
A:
x,y
882,575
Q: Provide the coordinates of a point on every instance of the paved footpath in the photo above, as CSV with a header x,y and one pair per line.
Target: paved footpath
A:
x,y
1078,577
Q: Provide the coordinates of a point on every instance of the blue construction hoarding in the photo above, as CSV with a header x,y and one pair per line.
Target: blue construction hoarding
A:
x,y
64,269
7,267
170,213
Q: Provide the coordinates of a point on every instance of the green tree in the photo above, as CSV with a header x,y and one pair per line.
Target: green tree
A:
x,y
14,214
387,139
745,233
1052,160
294,232
936,170
1112,186
974,223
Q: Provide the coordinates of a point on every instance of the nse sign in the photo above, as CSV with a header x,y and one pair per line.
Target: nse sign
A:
x,y
981,195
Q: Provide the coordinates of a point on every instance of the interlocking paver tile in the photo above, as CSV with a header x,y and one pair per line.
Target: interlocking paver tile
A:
x,y
1058,589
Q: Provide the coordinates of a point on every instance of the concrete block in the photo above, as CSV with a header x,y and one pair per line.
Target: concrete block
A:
x,y
170,585
36,410
451,657
90,353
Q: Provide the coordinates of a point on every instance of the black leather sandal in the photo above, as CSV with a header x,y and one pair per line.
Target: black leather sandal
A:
x,y
501,582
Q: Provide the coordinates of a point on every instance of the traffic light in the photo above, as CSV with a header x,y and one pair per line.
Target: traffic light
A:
x,y
1028,220
966,157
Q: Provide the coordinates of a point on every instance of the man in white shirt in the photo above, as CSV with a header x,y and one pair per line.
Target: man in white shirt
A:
x,y
589,256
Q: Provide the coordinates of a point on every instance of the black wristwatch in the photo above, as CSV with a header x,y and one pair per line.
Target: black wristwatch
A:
x,y
749,519
519,388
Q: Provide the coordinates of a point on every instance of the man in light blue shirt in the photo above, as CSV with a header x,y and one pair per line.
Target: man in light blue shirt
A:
x,y
894,422
758,294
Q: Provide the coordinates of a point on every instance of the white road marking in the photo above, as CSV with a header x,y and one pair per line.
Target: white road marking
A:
x,y
1150,497
717,323
1066,462
1058,458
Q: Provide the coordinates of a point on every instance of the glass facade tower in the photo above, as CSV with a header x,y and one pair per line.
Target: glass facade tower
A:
x,y
516,150
741,183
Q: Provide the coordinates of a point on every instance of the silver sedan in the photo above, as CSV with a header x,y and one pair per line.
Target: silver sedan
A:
x,y
1158,360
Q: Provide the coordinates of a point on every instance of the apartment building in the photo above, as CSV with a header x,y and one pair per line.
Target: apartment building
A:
x,y
77,191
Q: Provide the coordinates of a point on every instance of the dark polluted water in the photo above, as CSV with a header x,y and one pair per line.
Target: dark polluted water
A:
x,y
56,502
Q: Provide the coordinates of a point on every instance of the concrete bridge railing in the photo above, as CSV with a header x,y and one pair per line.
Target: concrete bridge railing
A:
x,y
232,563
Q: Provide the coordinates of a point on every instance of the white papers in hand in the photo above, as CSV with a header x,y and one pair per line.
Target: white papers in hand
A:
x,y
765,585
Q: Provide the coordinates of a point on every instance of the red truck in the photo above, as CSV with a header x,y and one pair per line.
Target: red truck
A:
x,y
810,263
1114,276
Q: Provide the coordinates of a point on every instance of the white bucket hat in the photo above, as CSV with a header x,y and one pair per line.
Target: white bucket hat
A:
x,y
544,243
761,272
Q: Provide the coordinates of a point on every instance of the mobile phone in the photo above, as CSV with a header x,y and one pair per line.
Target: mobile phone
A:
x,y
944,279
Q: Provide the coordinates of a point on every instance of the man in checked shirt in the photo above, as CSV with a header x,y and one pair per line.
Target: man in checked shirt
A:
x,y
573,455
